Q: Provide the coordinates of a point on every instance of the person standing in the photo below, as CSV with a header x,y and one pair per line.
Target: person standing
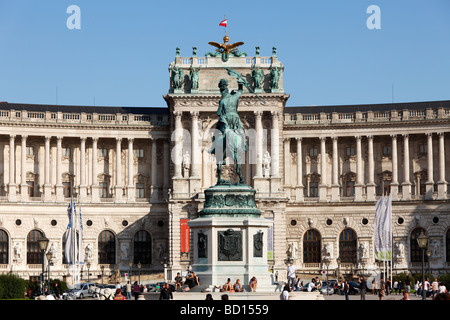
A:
x,y
346,289
388,286
435,287
128,290
136,290
362,285
408,284
166,293
291,274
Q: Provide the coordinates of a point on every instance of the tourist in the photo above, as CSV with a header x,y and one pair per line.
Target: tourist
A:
x,y
192,281
119,295
442,296
405,295
209,297
362,285
291,274
136,290
442,288
285,293
435,287
408,284
224,297
346,289
253,284
128,290
228,286
178,281
382,290
237,286
166,293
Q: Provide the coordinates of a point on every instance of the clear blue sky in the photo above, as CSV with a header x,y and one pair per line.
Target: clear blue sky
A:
x,y
122,52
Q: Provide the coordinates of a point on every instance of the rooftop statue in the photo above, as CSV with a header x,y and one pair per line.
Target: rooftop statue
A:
x,y
226,48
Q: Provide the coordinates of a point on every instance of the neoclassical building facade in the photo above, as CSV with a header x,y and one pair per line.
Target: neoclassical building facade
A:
x,y
138,175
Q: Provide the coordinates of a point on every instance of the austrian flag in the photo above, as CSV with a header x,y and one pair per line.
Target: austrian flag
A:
x,y
223,23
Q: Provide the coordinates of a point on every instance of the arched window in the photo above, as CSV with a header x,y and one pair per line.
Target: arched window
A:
x,y
106,248
34,254
347,246
311,247
142,247
416,252
64,261
4,245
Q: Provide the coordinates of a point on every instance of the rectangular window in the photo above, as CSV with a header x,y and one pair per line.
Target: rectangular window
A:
x,y
103,190
387,150
350,151
30,151
349,188
139,153
313,189
423,148
140,191
66,189
313,152
66,152
30,188
103,153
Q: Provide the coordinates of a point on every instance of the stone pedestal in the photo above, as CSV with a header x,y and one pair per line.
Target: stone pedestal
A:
x,y
230,239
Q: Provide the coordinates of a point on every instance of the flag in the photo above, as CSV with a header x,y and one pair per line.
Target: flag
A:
x,y
223,23
80,241
383,229
69,236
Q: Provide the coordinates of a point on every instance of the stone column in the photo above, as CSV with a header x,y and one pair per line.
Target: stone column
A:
x,y
430,182
287,162
335,177
59,186
323,187
95,197
47,185
442,183
154,188
406,185
299,189
12,188
131,196
195,153
23,174
178,148
166,162
275,148
371,187
359,172
118,192
259,143
83,185
394,182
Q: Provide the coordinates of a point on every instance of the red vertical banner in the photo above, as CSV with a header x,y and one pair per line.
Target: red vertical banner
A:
x,y
184,228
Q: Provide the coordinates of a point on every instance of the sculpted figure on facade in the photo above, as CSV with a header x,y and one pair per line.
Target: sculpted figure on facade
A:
x,y
436,249
275,74
400,250
193,77
88,253
53,250
327,251
17,252
258,76
266,163
363,250
186,164
292,250
177,77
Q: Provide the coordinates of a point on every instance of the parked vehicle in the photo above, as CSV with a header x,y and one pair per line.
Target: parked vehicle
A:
x,y
354,287
79,291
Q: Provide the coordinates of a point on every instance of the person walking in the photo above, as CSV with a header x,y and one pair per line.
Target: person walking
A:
x,y
128,290
362,286
382,288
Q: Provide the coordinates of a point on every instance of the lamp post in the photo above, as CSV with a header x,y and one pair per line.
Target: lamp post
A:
x,y
130,264
43,243
422,241
49,258
338,260
326,261
429,263
139,265
102,267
